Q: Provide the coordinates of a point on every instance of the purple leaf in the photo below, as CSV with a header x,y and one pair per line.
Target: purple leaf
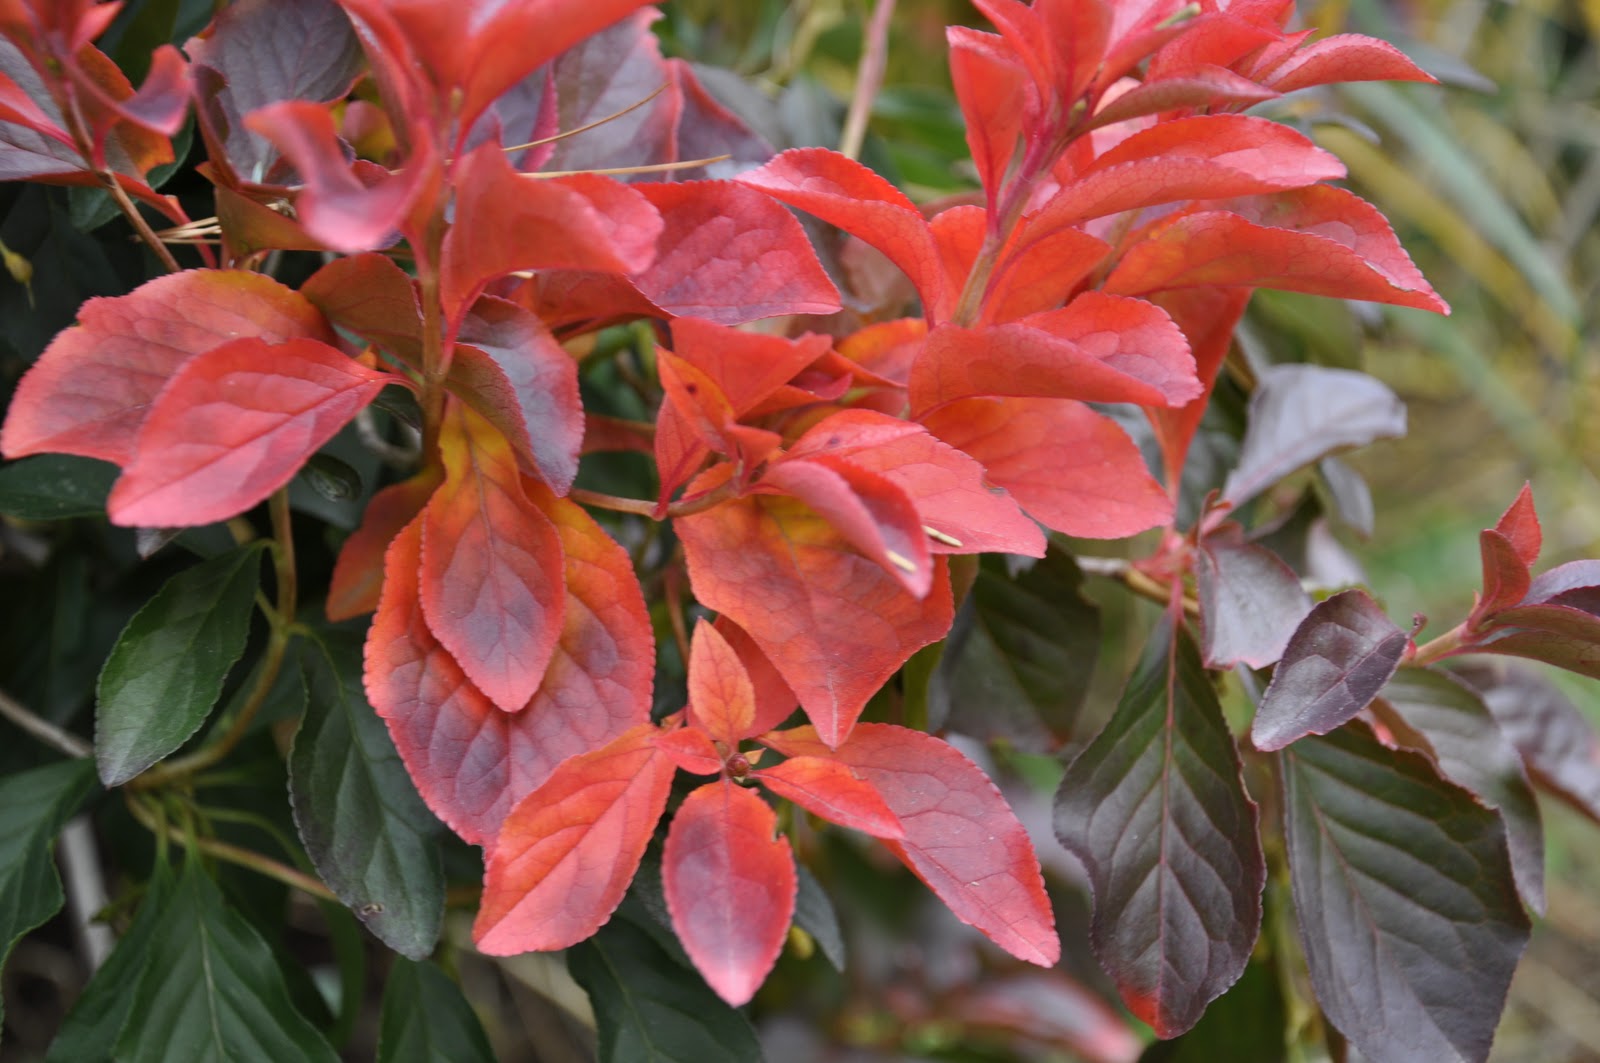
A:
x,y
1558,621
1250,601
1337,661
1156,811
1300,413
1558,744
1440,716
265,51
1408,914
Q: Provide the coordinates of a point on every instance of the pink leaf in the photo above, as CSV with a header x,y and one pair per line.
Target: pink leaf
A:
x,y
730,887
833,791
235,424
961,838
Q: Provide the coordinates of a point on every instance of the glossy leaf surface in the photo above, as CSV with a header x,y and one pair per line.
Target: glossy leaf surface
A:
x,y
1301,412
369,835
166,671
213,990
1407,911
1155,808
1338,659
1445,719
834,623
1250,601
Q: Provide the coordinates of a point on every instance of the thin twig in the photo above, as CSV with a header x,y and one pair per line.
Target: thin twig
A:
x,y
233,854
588,126
660,167
43,730
869,78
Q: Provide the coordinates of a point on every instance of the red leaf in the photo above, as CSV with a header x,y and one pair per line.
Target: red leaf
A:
x,y
1344,57
1204,157
1099,348
730,887
334,204
947,487
992,89
748,367
731,255
90,390
1038,269
372,297
1207,317
1505,576
1520,525
492,565
834,623
961,838
691,749
722,701
835,792
873,514
506,221
235,424
1067,466
1319,240
847,195
470,761
358,573
775,702
1208,86
510,369
566,853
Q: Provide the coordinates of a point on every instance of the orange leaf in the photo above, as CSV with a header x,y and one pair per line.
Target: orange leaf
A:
x,y
491,565
835,624
730,887
358,572
722,701
568,850
471,762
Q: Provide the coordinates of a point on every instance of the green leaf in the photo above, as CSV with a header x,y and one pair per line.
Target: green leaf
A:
x,y
649,1008
427,1020
33,805
1445,719
1020,656
90,1032
1409,917
167,669
813,913
1157,812
364,827
55,487
211,991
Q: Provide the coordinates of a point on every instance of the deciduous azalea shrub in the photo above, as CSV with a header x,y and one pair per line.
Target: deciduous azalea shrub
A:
x,y
642,504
